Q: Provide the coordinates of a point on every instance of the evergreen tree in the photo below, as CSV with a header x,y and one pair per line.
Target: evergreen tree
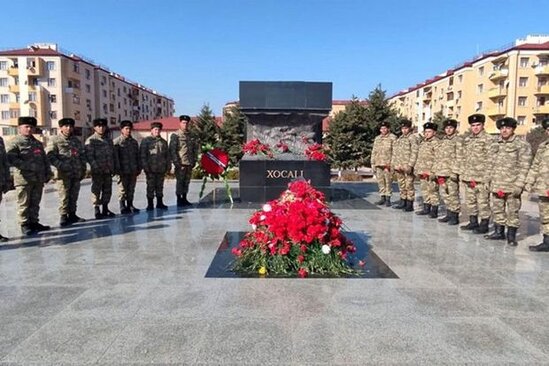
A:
x,y
379,110
233,133
535,137
205,129
438,118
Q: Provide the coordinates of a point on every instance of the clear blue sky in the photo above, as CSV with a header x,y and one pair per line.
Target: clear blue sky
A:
x,y
197,51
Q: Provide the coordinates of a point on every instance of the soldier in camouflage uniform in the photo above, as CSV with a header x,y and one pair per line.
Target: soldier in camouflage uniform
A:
x,y
402,161
380,161
32,171
473,168
5,181
446,171
66,153
425,170
183,152
103,162
126,150
155,161
538,182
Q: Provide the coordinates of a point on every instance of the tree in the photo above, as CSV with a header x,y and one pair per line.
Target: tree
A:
x,y
205,129
379,110
438,118
535,137
233,133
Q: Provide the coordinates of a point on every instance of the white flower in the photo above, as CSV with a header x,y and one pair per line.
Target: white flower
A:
x,y
254,226
262,217
267,207
326,249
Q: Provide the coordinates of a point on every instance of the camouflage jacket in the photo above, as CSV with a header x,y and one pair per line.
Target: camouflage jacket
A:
x,y
475,159
538,176
100,154
154,155
4,168
183,150
426,156
382,150
27,155
67,155
405,151
446,156
509,164
126,150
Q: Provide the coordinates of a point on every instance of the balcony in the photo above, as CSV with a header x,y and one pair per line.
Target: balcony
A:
x,y
36,67
541,70
495,112
13,71
499,74
497,92
543,89
13,88
542,109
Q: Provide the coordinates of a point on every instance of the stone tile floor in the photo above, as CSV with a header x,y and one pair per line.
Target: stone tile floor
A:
x,y
131,290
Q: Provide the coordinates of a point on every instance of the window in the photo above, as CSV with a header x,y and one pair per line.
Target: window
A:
x,y
523,81
51,82
3,81
481,71
32,97
33,81
7,131
50,65
88,88
77,115
524,62
76,99
521,120
460,78
88,74
480,88
118,92
53,98
479,106
522,101
76,68
5,114
104,93
53,114
4,98
3,65
88,104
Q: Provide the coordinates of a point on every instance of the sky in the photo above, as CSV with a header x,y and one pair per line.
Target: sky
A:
x,y
196,52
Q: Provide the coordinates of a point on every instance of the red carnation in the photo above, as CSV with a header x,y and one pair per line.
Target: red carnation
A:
x,y
302,272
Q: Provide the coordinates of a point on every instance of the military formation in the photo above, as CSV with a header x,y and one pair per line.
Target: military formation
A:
x,y
492,173
26,167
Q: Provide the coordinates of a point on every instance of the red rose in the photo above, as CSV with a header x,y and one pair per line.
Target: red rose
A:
x,y
441,180
500,194
300,258
302,272
472,183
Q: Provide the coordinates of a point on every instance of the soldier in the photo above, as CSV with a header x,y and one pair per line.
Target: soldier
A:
x,y
183,152
402,161
424,170
5,181
538,182
381,162
103,162
66,153
32,171
473,168
446,171
155,161
126,150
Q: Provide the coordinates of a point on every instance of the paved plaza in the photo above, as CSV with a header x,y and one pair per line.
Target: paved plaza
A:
x,y
132,290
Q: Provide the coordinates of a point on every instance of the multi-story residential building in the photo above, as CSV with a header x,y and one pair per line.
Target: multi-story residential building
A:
x,y
512,81
49,84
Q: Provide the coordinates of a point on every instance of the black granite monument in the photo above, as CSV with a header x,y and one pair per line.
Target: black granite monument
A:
x,y
288,112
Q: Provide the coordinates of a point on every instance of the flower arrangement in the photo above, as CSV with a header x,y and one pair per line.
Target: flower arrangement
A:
x,y
316,151
282,147
296,234
213,164
256,147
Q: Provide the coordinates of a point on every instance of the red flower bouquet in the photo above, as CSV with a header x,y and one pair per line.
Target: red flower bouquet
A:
x,y
256,147
213,164
315,152
296,234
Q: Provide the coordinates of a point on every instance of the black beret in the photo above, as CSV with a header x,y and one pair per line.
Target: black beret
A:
x,y
65,122
506,122
405,123
474,118
156,125
185,118
385,124
430,126
545,123
99,122
126,123
450,122
27,121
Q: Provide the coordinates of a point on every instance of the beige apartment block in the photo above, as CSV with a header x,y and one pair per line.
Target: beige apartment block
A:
x,y
512,81
47,83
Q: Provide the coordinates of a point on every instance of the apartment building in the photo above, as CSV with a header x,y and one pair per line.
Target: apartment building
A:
x,y
512,81
48,83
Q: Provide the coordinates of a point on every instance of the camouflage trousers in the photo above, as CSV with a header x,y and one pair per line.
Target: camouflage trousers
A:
x,y
28,202
101,189
544,214
384,180
477,200
429,191
69,189
450,195
183,179
406,186
126,186
155,185
505,210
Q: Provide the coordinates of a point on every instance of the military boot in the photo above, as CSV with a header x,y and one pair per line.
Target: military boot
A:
x,y
498,234
473,223
433,214
131,208
541,247
123,208
447,217
400,205
3,239
73,217
160,204
28,229
454,219
512,236
409,206
64,221
388,201
482,227
381,201
185,201
39,227
98,214
426,210
179,200
106,212
150,204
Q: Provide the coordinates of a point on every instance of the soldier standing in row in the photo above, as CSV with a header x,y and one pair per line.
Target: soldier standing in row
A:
x,y
380,161
424,170
446,171
66,153
538,182
32,171
103,162
474,164
156,163
4,176
511,159
126,150
403,160
183,152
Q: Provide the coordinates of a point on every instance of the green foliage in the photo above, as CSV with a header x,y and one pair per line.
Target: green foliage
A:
x,y
379,110
205,129
233,134
535,137
233,174
438,118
